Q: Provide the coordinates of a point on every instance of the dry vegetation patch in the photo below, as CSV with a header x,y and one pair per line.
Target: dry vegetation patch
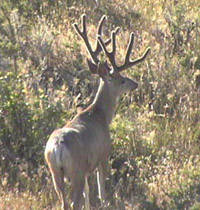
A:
x,y
43,77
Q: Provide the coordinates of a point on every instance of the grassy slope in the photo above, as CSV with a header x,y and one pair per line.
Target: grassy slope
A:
x,y
155,160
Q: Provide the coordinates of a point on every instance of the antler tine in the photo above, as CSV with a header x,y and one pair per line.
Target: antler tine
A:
x,y
134,62
113,37
83,32
99,33
111,54
128,63
129,48
103,18
84,36
84,24
107,42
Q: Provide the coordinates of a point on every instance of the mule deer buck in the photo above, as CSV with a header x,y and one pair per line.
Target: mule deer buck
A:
x,y
83,145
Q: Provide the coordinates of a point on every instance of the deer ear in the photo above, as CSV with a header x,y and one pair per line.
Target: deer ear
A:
x,y
93,67
103,69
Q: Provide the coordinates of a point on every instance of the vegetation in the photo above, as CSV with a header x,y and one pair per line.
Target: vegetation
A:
x,y
155,163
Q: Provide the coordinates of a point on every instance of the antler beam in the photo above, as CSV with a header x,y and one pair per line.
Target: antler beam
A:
x,y
83,33
111,55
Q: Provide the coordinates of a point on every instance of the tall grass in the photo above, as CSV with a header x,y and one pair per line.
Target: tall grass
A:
x,y
156,132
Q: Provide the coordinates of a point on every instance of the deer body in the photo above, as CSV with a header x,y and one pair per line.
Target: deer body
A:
x,y
83,145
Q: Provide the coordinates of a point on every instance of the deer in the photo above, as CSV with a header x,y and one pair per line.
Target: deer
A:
x,y
84,144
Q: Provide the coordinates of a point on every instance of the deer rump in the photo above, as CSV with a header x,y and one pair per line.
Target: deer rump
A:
x,y
78,149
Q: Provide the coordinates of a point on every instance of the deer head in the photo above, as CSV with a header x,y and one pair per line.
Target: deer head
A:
x,y
110,74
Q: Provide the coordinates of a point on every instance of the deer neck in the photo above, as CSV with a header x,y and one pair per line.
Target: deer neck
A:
x,y
105,101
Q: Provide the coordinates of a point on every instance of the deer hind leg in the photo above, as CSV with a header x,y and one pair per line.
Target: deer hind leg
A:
x,y
87,192
77,192
101,176
58,181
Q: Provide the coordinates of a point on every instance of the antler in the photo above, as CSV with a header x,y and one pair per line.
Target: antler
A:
x,y
83,33
111,55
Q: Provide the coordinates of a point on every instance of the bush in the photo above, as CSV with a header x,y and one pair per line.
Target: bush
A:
x,y
43,77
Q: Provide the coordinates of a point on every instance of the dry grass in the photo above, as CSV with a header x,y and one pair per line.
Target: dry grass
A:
x,y
155,161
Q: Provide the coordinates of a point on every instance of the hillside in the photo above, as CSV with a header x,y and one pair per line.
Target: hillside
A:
x,y
44,78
